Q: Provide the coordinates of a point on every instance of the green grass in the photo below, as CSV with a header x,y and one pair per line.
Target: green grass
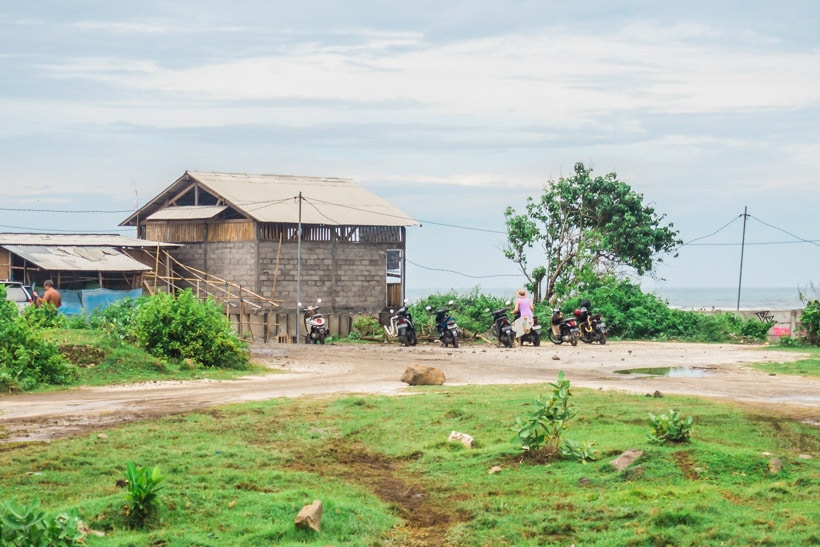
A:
x,y
803,367
386,474
105,360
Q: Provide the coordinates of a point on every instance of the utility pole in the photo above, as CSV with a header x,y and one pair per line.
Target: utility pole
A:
x,y
742,246
299,269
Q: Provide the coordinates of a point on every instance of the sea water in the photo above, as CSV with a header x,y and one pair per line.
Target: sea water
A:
x,y
697,298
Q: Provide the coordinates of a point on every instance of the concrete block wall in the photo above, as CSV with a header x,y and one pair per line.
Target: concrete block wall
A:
x,y
348,277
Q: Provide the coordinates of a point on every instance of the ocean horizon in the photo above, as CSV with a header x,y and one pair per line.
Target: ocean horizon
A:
x,y
689,298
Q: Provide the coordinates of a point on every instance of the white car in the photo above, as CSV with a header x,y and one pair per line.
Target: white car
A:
x,y
18,293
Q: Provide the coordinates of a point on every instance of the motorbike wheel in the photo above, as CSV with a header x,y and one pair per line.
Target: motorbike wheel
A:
x,y
320,339
574,341
602,339
410,338
536,339
454,339
554,339
506,341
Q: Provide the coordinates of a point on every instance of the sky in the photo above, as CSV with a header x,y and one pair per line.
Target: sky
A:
x,y
451,111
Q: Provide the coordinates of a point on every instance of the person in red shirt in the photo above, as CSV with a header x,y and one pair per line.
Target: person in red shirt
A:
x,y
50,295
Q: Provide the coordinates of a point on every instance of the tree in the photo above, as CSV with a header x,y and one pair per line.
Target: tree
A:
x,y
586,227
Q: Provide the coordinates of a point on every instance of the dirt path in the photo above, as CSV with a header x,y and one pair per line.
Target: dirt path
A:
x,y
715,371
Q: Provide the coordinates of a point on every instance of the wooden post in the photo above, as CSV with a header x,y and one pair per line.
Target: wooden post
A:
x,y
156,268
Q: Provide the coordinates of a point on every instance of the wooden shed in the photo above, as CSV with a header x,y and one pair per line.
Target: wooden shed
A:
x,y
287,238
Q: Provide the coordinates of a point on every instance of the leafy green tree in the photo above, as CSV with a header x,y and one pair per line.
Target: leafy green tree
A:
x,y
586,227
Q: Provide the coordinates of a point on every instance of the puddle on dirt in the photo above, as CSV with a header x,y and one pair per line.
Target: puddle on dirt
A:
x,y
671,372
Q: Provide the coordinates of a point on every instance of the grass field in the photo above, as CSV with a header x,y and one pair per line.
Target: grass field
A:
x,y
386,474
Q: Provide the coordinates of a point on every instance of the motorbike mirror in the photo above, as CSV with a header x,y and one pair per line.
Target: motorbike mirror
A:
x,y
428,308
406,300
299,304
318,300
508,302
451,302
391,310
486,310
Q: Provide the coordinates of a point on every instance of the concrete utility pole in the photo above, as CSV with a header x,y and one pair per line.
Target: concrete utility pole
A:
x,y
742,246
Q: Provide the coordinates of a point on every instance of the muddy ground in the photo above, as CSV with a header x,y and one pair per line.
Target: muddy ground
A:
x,y
710,370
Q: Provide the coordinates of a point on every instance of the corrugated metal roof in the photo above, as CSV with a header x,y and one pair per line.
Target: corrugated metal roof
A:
x,y
86,240
272,198
78,259
188,212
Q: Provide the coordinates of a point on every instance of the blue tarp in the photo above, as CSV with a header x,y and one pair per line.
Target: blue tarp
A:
x,y
72,302
102,298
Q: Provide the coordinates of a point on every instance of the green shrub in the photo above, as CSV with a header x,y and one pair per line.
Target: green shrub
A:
x,y
183,327
29,525
26,359
810,322
468,309
582,452
542,429
632,314
142,497
44,317
368,327
118,319
669,427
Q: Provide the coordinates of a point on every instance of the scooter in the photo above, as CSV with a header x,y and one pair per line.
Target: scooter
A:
x,y
315,325
401,326
446,326
563,330
592,327
534,334
502,328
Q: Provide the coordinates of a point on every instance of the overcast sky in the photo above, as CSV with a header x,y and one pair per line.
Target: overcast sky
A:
x,y
450,110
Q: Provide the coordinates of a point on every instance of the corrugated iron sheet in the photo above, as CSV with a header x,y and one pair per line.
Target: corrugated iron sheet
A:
x,y
80,240
78,259
272,198
188,212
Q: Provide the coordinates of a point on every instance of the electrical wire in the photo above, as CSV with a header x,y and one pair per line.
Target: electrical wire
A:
x,y
20,210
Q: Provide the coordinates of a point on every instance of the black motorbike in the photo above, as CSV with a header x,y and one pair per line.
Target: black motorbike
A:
x,y
315,325
502,328
446,327
401,326
563,330
592,327
534,335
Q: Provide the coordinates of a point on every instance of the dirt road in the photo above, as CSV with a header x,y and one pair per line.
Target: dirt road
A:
x,y
715,371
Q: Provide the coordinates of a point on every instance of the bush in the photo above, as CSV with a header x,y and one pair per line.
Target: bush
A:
x,y
542,429
367,327
468,310
44,317
632,314
118,319
669,427
183,327
810,321
29,525
142,498
26,359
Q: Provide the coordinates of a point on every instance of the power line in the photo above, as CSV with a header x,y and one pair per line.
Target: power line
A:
x,y
803,240
713,233
21,210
